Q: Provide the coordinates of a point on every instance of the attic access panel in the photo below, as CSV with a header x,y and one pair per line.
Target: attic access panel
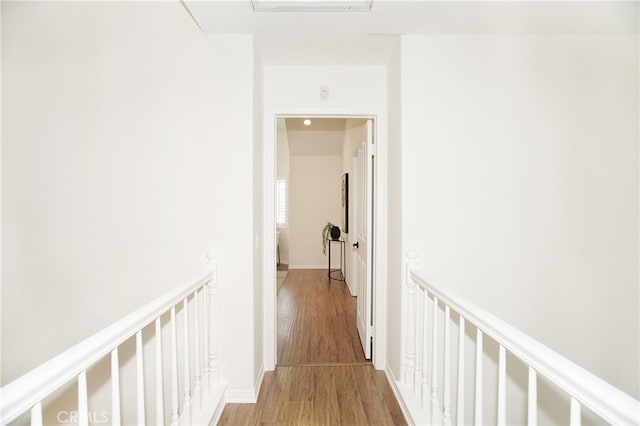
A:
x,y
311,5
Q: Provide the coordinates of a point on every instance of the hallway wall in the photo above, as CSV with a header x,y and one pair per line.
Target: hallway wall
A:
x,y
258,218
315,200
124,159
396,256
520,185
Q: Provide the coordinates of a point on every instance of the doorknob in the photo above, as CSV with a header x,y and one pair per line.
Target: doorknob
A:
x,y
356,244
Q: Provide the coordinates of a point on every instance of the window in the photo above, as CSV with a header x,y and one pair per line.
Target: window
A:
x,y
281,202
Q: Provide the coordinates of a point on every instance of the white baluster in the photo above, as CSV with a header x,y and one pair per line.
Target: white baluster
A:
x,y
425,341
410,343
420,339
36,414
174,369
478,402
205,338
532,405
460,398
502,401
159,376
115,388
575,418
186,409
140,379
214,367
83,404
446,380
196,388
434,364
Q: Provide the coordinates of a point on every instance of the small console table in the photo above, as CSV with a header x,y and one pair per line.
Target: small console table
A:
x,y
342,270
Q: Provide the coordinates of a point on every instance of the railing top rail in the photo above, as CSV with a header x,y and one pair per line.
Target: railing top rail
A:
x,y
24,392
607,401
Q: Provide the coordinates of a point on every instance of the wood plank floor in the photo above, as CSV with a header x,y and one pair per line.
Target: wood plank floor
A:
x,y
316,320
327,395
322,376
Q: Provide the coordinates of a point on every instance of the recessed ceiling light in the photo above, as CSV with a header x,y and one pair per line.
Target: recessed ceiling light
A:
x,y
307,122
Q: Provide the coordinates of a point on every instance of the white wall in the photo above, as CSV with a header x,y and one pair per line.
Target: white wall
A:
x,y
258,273
395,255
234,178
315,142
315,182
295,88
124,159
520,185
1,174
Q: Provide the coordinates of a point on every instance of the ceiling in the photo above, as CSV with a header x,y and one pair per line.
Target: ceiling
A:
x,y
369,38
324,136
317,124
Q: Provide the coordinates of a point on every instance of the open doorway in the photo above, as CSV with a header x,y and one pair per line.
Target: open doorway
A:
x,y
323,174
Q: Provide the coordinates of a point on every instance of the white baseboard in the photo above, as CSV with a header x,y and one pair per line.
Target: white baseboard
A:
x,y
219,408
246,396
401,402
351,288
211,407
308,266
259,379
240,396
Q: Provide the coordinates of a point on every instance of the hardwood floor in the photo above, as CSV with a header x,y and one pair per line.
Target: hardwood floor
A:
x,y
322,376
327,395
316,320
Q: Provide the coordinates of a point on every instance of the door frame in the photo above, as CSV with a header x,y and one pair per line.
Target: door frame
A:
x,y
379,291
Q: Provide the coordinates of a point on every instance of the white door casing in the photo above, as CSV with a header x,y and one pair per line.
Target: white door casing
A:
x,y
363,244
271,113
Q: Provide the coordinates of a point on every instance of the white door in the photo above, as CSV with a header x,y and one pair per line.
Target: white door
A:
x,y
363,245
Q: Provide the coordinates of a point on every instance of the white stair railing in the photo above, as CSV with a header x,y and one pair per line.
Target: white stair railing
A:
x,y
425,387
201,402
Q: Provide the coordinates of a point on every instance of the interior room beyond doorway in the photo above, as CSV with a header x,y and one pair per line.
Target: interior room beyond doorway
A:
x,y
310,163
312,156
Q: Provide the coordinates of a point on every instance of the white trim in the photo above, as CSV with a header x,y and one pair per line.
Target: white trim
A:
x,y
249,396
380,279
269,230
240,396
379,114
308,266
217,412
274,6
393,382
258,383
212,407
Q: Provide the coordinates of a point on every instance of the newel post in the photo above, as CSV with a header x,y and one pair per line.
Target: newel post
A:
x,y
410,322
213,366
